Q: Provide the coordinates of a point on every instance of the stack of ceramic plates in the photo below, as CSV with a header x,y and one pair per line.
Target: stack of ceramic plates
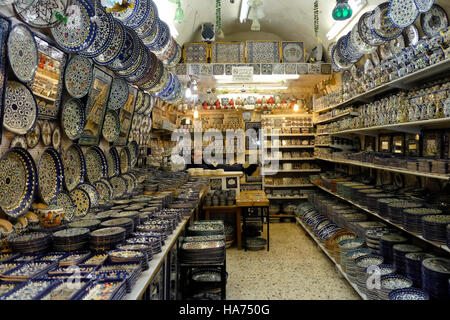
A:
x,y
129,256
373,237
395,210
369,288
105,290
31,242
125,223
203,252
361,264
71,239
399,251
434,227
134,207
144,216
409,294
150,209
107,238
349,245
145,248
91,224
412,218
206,280
383,206
435,277
255,244
413,263
156,228
133,215
74,258
391,282
347,261
332,243
26,271
105,215
154,243
363,195
387,241
372,199
206,229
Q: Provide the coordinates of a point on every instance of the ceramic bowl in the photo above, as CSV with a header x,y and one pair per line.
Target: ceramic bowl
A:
x,y
51,216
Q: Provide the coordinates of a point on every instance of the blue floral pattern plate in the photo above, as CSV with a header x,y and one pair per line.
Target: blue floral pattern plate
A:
x,y
115,47
119,94
402,13
433,21
78,76
73,119
75,166
50,175
22,52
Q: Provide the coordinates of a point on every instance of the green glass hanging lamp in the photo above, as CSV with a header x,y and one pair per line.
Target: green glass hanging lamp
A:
x,y
342,10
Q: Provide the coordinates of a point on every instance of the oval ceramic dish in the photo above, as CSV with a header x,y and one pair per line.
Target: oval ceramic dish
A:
x,y
111,126
78,76
51,174
75,166
96,164
73,118
22,52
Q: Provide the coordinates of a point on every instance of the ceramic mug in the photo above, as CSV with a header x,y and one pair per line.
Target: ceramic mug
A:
x,y
51,216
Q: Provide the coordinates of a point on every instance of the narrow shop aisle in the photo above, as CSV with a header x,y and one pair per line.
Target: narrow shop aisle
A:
x,y
294,269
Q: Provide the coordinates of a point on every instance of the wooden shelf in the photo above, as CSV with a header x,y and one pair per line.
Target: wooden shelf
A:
x,y
288,198
289,186
290,171
373,213
338,267
387,168
332,119
405,82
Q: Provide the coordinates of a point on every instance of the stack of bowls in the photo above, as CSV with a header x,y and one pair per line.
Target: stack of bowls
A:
x,y
347,261
387,241
409,294
414,266
391,282
373,273
361,265
412,218
399,251
435,277
348,245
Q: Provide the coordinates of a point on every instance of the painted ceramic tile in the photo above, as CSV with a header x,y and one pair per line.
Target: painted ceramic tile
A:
x,y
263,51
302,68
293,52
314,68
278,68
256,68
206,70
181,69
228,69
290,68
218,69
228,52
266,69
325,68
196,53
194,69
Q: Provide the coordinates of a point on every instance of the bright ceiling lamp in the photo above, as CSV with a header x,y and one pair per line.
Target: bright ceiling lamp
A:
x,y
256,13
339,26
342,10
166,13
245,7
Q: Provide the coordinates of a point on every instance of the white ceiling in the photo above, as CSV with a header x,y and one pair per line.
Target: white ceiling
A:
x,y
285,19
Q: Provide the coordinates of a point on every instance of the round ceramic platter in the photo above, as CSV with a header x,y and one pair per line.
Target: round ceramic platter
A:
x,y
124,160
78,76
104,35
35,15
75,166
365,33
128,72
46,133
22,52
152,34
104,190
339,62
94,196
119,94
79,32
33,136
146,103
96,164
113,160
423,5
142,68
380,24
149,24
65,201
81,200
150,73
129,53
163,37
136,16
411,34
50,175
111,126
168,89
358,43
115,47
433,21
154,77
18,182
131,183
139,101
56,138
119,185
73,118
402,13
20,108
134,152
162,82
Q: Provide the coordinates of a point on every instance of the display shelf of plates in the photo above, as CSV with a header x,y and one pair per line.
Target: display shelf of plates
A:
x,y
327,118
306,185
385,219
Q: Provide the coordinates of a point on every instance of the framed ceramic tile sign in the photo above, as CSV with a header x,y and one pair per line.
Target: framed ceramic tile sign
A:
x,y
196,52
263,51
228,52
126,117
96,107
48,83
5,25
293,52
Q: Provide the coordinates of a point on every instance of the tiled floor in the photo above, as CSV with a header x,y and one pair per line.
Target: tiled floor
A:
x,y
294,269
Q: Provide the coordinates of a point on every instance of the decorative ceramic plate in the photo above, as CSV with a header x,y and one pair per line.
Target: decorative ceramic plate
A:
x,y
358,43
143,67
104,35
119,94
147,103
140,59
397,45
73,118
423,5
131,183
50,175
339,62
125,160
104,190
56,138
364,31
162,38
22,52
94,196
157,79
149,24
46,133
113,160
40,13
115,47
129,53
149,110
18,182
78,76
433,21
139,101
111,126
33,136
20,108
380,24
411,33
95,164
65,201
19,141
74,166
80,31
119,185
402,13
135,14
81,200
134,152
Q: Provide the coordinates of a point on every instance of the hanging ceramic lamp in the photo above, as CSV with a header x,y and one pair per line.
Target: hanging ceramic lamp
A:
x,y
342,11
179,14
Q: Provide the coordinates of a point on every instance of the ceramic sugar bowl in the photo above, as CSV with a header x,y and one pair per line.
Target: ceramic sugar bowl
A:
x,y
51,216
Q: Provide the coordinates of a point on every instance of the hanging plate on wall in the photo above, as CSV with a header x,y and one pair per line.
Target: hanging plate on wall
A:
x,y
411,34
40,13
22,52
51,174
113,160
433,21
119,94
115,47
73,118
402,13
78,76
111,126
124,160
75,166
423,5
380,24
364,31
96,164
65,201
82,202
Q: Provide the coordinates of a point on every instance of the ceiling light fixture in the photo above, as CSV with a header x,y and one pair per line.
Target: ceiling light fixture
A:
x,y
256,13
245,7
342,10
339,26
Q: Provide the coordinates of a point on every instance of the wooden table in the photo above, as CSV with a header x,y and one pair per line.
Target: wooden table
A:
x,y
232,209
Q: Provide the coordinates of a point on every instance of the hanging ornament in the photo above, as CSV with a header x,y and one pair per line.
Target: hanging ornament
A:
x,y
316,18
179,13
219,31
255,14
342,11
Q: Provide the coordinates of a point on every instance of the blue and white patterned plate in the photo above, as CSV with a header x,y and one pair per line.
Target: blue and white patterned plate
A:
x,y
433,21
408,294
365,33
423,5
111,126
113,160
129,53
22,52
143,67
119,94
402,13
78,76
149,24
162,39
94,196
73,118
40,14
380,24
75,166
50,173
96,165
115,47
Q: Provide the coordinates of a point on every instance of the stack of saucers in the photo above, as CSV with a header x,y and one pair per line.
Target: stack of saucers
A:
x,y
387,241
414,266
203,252
348,245
395,210
370,288
107,238
399,252
383,206
372,200
409,294
133,215
435,277
30,242
90,224
373,237
145,248
347,261
129,256
361,264
71,239
412,218
434,227
125,223
392,282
